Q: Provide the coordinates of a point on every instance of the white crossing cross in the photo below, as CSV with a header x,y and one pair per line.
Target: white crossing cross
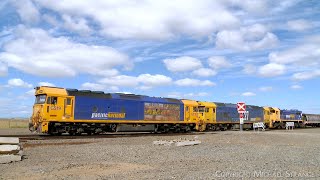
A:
x,y
241,107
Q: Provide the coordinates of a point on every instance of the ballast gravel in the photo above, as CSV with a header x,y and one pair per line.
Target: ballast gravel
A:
x,y
274,154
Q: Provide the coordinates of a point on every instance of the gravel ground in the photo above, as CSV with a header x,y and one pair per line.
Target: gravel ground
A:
x,y
15,131
273,154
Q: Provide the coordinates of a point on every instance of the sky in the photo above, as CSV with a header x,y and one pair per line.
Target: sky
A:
x,y
264,52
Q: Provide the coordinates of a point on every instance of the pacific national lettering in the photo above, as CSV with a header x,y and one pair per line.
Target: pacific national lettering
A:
x,y
108,115
99,115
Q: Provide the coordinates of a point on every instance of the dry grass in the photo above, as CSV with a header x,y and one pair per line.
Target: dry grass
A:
x,y
13,123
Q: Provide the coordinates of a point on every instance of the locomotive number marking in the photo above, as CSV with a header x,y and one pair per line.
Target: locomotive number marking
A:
x,y
56,108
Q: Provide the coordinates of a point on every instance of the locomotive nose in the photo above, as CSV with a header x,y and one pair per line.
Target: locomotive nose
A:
x,y
36,118
31,128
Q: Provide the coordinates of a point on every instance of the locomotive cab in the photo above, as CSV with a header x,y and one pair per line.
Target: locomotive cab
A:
x,y
51,105
207,113
191,110
271,116
274,114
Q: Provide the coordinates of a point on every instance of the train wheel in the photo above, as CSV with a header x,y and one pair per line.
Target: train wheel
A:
x,y
222,128
187,129
71,133
113,127
156,128
213,128
58,133
166,129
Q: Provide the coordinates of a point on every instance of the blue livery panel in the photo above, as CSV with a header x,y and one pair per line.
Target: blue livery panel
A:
x,y
292,114
117,108
255,113
229,113
107,108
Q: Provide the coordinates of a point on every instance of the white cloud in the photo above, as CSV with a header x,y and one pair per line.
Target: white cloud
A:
x,y
46,84
144,88
194,82
186,63
307,54
150,19
271,70
204,72
266,88
284,5
27,11
51,20
304,58
181,64
180,95
299,25
77,25
98,87
176,95
36,52
3,69
250,38
30,92
121,81
154,80
218,62
249,69
200,94
256,7
18,83
248,94
306,75
124,92
143,81
296,87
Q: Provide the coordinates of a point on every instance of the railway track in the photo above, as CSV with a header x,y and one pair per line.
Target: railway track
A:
x,y
25,138
28,137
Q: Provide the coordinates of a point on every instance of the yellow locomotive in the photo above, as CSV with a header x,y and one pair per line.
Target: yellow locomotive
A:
x,y
59,110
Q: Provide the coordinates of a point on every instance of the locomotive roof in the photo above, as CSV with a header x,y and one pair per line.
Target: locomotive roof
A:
x,y
235,105
50,90
101,94
290,110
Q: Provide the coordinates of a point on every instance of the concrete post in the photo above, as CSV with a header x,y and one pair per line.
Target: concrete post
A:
x,y
241,121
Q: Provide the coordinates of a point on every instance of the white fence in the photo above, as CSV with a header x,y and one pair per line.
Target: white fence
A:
x,y
289,125
258,126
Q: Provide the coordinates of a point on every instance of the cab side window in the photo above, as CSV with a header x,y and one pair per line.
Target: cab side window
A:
x,y
68,101
53,100
49,100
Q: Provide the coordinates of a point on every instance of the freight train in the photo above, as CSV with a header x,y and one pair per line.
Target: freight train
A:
x,y
59,110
